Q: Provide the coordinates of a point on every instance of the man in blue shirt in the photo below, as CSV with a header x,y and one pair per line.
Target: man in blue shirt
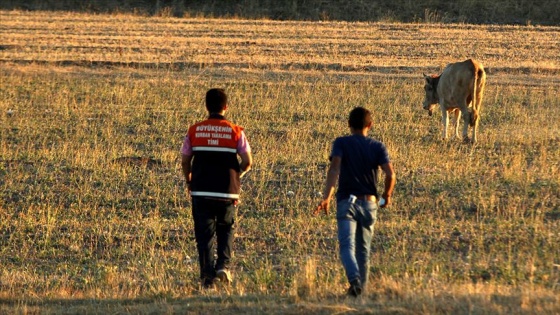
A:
x,y
355,162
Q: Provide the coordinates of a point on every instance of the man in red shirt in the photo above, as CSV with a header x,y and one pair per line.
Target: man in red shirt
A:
x,y
212,170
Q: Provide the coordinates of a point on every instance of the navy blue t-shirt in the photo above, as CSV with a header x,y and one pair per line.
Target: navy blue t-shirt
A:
x,y
361,159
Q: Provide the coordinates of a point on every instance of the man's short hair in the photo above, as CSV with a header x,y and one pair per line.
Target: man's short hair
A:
x,y
359,118
216,100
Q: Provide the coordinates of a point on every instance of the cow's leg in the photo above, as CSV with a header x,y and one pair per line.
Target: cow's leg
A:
x,y
475,127
445,121
466,120
478,105
457,113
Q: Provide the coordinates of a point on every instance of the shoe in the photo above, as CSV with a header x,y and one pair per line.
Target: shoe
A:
x,y
224,276
208,283
355,289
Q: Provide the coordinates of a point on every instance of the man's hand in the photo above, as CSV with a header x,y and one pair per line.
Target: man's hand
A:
x,y
246,162
387,203
323,205
390,180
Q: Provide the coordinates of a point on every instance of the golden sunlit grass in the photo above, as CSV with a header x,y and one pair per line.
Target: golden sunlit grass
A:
x,y
93,211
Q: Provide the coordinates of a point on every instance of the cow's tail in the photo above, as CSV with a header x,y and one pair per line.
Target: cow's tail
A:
x,y
479,80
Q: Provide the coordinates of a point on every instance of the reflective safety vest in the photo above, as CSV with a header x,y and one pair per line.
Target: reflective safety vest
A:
x,y
215,167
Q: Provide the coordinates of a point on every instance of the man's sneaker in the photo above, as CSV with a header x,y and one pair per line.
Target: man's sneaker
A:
x,y
208,283
224,276
355,289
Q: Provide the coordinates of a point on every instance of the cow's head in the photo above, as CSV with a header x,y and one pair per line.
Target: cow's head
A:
x,y
431,99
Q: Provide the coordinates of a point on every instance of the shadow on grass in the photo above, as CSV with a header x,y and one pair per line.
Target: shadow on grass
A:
x,y
207,303
219,303
291,66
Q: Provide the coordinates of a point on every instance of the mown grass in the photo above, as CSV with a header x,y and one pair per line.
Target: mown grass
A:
x,y
87,228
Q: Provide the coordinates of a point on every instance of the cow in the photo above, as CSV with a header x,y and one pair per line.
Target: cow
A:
x,y
457,90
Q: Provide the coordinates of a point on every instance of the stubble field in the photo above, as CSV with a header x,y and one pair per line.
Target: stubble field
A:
x,y
94,216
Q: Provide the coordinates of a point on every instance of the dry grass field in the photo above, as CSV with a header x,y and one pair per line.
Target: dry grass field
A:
x,y
94,217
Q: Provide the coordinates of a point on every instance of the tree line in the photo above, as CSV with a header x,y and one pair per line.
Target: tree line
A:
x,y
516,12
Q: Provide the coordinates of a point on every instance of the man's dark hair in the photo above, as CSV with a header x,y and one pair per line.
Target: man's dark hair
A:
x,y
216,100
359,118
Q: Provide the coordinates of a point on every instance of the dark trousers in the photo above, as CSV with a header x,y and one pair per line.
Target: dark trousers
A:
x,y
213,219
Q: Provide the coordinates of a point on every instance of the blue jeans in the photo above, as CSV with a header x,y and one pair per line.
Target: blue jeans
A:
x,y
355,230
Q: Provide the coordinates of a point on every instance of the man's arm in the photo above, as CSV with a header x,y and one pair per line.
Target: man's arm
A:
x,y
390,180
246,162
186,166
330,183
